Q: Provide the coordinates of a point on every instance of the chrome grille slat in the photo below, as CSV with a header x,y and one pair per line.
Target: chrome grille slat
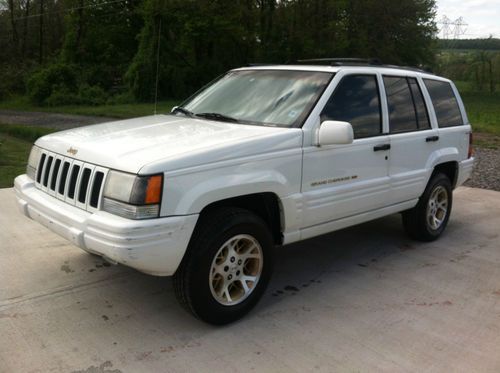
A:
x,y
72,181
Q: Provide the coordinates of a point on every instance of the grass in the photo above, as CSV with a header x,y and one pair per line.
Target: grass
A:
x,y
15,146
483,110
115,110
27,133
14,154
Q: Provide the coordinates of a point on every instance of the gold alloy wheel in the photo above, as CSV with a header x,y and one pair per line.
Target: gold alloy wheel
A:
x,y
437,207
236,270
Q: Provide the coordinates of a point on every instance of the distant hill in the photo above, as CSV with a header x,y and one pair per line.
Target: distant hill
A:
x,y
482,44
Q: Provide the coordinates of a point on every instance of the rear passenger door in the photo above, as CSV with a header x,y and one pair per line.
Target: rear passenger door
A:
x,y
453,134
411,136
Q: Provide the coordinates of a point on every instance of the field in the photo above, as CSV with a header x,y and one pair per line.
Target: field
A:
x,y
13,156
15,145
115,111
483,110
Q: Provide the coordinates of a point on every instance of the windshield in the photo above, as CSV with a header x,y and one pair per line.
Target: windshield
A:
x,y
266,97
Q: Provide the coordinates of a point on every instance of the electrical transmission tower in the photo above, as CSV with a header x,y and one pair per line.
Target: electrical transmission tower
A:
x,y
452,29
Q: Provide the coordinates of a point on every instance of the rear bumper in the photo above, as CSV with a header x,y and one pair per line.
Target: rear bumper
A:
x,y
154,246
465,170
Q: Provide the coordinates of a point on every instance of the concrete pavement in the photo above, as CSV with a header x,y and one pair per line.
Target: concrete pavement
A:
x,y
362,299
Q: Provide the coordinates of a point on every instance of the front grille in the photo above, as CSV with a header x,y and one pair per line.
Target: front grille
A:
x,y
72,181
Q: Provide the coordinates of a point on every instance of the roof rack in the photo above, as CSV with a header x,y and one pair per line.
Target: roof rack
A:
x,y
343,61
257,64
360,62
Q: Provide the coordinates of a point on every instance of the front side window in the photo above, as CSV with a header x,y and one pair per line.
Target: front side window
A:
x,y
264,97
356,100
444,102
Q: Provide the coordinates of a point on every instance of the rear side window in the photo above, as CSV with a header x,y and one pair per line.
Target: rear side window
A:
x,y
444,102
356,100
402,116
420,108
407,111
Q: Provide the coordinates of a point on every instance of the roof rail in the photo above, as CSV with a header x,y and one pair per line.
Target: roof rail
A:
x,y
256,64
343,61
361,62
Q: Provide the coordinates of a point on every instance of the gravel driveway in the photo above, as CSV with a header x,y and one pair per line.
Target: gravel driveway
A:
x,y
486,172
49,120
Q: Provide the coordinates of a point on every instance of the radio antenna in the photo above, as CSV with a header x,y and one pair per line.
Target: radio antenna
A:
x,y
157,65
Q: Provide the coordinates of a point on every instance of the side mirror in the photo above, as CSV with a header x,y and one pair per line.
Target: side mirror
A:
x,y
333,132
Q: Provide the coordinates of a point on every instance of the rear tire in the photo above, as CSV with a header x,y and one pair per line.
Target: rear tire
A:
x,y
428,219
227,266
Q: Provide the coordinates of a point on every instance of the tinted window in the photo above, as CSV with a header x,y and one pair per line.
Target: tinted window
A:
x,y
356,100
418,99
402,115
445,103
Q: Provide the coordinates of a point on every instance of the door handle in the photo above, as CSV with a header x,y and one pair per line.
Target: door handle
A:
x,y
377,148
432,138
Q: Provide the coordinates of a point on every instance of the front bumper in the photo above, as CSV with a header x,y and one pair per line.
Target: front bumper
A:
x,y
154,246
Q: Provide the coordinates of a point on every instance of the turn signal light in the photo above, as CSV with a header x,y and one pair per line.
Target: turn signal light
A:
x,y
153,190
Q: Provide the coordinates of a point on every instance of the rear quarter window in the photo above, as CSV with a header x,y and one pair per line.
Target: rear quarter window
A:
x,y
445,103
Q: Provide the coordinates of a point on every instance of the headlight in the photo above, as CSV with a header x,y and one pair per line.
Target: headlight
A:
x,y
133,196
33,160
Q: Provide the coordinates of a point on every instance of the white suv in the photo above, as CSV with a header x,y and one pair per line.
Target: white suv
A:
x,y
262,156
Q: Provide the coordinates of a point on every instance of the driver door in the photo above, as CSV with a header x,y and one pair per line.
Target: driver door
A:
x,y
344,180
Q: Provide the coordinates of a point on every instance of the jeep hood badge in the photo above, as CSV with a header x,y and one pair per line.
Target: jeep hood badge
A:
x,y
72,151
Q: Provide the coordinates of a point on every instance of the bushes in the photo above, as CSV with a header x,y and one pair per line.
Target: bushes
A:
x,y
54,78
12,79
59,84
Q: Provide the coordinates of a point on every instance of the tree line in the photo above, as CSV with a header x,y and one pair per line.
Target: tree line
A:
x,y
95,51
487,44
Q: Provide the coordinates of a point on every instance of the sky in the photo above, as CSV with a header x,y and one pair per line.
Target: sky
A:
x,y
482,16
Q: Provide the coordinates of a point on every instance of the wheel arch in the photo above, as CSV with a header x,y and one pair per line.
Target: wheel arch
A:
x,y
444,161
450,169
266,205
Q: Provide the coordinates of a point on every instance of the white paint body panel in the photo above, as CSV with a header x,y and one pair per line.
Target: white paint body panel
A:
x,y
319,189
154,246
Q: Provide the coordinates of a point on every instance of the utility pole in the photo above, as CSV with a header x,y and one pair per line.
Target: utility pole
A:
x,y
40,46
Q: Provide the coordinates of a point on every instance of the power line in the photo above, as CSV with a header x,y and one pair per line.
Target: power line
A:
x,y
451,28
71,9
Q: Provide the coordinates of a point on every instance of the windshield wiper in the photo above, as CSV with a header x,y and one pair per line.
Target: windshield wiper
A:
x,y
218,116
180,109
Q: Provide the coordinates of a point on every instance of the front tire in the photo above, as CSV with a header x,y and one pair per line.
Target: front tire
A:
x,y
428,219
227,266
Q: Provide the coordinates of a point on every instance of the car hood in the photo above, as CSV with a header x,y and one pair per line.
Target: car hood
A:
x,y
166,141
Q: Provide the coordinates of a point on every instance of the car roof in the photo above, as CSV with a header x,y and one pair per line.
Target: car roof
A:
x,y
383,69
